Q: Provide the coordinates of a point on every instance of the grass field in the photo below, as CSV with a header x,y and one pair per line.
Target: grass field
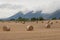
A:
x,y
40,32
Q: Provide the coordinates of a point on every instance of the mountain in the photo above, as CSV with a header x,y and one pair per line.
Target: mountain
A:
x,y
27,15
19,14
55,14
36,15
32,14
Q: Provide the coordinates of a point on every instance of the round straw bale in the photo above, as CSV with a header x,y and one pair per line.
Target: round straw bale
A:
x,y
51,22
29,28
6,28
47,25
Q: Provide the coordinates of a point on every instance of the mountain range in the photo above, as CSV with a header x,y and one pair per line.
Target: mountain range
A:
x,y
36,15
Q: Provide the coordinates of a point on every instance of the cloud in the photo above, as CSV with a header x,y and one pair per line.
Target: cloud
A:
x,y
11,7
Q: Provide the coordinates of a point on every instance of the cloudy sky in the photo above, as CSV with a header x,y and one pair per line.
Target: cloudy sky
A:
x,y
11,7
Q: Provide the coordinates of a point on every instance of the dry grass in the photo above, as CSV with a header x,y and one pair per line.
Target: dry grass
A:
x,y
19,32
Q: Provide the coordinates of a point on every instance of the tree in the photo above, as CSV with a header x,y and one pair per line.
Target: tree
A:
x,y
59,17
12,19
40,18
54,18
1,20
19,19
22,19
33,19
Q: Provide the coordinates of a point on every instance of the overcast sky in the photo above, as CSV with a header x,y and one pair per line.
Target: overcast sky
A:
x,y
11,7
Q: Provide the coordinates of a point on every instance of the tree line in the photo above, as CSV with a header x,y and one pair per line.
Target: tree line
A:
x,y
31,19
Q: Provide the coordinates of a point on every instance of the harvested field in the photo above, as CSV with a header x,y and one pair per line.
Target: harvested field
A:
x,y
18,31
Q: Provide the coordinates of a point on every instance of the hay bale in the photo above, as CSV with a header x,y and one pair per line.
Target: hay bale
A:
x,y
50,22
6,28
23,22
29,28
42,21
16,21
48,25
37,21
56,21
